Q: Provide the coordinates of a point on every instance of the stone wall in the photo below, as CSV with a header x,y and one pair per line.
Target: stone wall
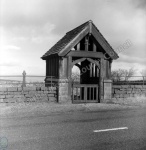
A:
x,y
27,94
131,93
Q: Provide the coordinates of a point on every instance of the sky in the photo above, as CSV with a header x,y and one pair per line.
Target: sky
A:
x,y
29,28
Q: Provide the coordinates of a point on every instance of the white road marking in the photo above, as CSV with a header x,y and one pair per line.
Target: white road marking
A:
x,y
112,129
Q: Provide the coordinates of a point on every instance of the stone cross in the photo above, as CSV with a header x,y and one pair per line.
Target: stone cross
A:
x,y
24,79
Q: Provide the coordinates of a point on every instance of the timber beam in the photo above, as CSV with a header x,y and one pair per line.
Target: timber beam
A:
x,y
86,54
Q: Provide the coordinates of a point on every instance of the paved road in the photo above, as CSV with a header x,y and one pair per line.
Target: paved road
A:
x,y
75,131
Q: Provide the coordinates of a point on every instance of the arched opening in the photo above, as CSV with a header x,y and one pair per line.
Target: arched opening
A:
x,y
76,74
85,77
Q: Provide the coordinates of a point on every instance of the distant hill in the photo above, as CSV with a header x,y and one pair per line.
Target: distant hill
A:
x,y
4,80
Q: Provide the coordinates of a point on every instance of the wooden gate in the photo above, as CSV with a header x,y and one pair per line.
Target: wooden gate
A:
x,y
84,93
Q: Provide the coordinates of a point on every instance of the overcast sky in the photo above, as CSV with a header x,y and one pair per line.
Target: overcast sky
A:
x,y
28,28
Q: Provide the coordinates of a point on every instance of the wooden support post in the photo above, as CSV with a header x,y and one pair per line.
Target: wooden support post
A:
x,y
69,76
110,66
107,69
101,79
63,68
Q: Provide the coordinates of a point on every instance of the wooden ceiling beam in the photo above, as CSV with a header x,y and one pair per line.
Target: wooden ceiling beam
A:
x,y
86,54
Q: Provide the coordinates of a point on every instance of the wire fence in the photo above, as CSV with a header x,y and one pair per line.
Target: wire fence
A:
x,y
25,80
33,80
133,80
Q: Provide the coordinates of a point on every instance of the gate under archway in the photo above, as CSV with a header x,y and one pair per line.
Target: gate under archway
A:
x,y
87,89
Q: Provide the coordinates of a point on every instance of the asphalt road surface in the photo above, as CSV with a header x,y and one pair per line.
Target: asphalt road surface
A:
x,y
104,130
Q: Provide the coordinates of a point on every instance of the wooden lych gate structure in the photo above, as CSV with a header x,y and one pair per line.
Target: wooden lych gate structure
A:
x,y
86,48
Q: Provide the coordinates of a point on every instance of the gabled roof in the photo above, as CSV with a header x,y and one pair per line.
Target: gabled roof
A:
x,y
64,45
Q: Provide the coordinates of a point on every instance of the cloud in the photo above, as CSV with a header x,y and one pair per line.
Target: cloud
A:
x,y
11,47
127,62
13,70
9,64
124,65
131,59
140,4
7,55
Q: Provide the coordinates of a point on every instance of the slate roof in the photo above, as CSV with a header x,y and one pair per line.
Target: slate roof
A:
x,y
68,38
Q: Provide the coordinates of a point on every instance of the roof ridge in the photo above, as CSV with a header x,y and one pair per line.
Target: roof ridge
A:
x,y
78,27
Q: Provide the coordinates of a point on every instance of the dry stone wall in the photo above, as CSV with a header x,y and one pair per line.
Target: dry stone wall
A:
x,y
128,93
27,94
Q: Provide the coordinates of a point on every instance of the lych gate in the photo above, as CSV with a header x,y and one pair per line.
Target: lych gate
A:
x,y
86,48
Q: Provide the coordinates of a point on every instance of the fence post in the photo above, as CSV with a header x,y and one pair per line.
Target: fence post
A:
x,y
24,79
143,80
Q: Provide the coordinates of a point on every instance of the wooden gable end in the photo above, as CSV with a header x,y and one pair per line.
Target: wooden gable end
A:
x,y
89,43
85,37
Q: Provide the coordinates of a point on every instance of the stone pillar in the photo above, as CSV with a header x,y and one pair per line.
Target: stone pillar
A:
x,y
69,70
107,90
63,82
63,91
24,79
